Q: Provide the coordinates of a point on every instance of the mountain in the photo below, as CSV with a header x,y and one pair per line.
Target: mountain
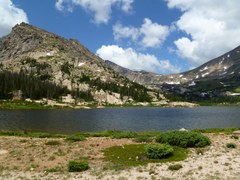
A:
x,y
218,77
30,54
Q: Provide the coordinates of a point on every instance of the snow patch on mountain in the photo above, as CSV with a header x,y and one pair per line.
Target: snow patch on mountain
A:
x,y
205,74
192,84
204,69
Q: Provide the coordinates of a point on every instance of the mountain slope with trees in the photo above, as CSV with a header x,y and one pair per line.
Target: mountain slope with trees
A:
x,y
42,64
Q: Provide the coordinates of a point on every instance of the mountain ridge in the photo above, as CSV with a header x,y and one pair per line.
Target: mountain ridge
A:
x,y
224,71
64,62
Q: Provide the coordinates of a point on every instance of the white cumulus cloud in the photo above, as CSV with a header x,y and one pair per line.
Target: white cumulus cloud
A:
x,y
149,34
101,9
154,34
120,32
133,60
10,15
213,28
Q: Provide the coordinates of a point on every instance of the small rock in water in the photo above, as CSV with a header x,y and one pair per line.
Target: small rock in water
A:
x,y
182,129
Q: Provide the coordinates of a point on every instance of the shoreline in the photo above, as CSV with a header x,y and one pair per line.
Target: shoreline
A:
x,y
21,105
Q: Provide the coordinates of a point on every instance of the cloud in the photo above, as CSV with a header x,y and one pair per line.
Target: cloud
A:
x,y
153,34
120,32
133,60
10,15
101,9
127,5
212,27
149,34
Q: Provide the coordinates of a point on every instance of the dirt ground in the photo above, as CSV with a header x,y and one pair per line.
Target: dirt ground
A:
x,y
32,158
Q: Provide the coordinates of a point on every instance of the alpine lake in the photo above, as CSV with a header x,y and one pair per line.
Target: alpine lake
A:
x,y
70,121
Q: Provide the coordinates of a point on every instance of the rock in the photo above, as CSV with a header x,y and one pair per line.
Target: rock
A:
x,y
236,132
182,104
2,152
68,99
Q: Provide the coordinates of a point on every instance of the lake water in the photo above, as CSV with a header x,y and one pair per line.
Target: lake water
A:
x,y
135,119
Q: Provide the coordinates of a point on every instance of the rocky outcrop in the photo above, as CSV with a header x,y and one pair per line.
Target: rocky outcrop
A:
x,y
62,61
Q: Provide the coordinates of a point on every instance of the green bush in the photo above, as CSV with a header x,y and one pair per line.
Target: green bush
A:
x,y
123,134
231,145
53,143
158,151
78,166
143,139
175,167
183,139
75,138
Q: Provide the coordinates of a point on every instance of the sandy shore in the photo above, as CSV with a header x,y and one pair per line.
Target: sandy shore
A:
x,y
31,158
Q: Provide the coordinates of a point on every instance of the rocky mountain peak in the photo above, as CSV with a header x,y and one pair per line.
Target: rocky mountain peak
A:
x,y
42,54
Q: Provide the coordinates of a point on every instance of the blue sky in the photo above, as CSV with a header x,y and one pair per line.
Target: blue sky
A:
x,y
162,36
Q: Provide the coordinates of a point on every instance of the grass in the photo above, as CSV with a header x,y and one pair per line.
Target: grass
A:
x,y
115,134
54,169
24,105
137,136
18,104
231,145
207,103
31,134
142,139
78,165
53,143
75,138
134,155
175,167
217,130
122,134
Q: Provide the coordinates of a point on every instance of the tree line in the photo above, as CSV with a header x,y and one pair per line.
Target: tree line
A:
x,y
34,87
31,86
136,91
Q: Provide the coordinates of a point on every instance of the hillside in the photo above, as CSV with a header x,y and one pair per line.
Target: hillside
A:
x,y
36,53
216,78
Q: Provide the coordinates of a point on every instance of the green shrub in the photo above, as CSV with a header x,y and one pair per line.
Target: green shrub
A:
x,y
231,145
143,139
53,143
183,139
234,136
75,138
175,167
158,151
78,166
123,134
